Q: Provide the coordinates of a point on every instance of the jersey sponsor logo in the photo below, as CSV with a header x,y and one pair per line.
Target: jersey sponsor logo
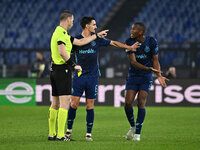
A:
x,y
93,43
147,49
88,51
143,56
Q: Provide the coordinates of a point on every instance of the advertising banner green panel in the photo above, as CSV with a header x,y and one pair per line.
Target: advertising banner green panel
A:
x,y
17,91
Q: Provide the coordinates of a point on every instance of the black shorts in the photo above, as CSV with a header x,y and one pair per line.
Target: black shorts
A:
x,y
61,80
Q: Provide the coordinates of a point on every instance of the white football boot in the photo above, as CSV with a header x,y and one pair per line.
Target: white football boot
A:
x,y
68,134
136,137
88,137
129,135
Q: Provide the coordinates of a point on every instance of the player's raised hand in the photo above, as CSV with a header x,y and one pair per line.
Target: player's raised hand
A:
x,y
134,46
162,80
78,68
102,34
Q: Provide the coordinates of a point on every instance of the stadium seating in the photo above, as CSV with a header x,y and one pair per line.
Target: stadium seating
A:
x,y
30,24
170,21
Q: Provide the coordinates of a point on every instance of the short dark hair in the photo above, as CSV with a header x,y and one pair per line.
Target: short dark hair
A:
x,y
143,27
65,14
86,20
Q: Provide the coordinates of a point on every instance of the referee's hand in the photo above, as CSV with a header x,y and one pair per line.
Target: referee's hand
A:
x,y
78,68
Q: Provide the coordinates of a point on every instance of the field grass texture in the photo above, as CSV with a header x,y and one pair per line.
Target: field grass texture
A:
x,y
164,128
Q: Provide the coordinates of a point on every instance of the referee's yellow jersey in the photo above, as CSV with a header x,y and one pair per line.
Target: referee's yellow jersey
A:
x,y
60,35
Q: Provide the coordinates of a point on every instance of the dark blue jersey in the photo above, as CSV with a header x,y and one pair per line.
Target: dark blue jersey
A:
x,y
143,54
87,57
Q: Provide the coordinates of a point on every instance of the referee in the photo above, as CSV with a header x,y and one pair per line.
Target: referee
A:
x,y
61,75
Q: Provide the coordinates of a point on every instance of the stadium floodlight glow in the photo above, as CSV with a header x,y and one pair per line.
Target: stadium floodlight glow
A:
x,y
10,91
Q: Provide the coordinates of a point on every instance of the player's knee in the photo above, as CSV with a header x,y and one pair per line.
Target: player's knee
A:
x,y
64,106
55,106
128,104
74,105
90,106
141,106
141,103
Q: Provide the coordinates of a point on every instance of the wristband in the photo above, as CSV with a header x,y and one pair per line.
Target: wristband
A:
x,y
71,63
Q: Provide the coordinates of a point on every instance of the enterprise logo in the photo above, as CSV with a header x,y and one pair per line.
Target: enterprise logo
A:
x,y
10,91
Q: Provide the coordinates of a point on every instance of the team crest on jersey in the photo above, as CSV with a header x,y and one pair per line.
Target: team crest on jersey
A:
x,y
147,49
93,43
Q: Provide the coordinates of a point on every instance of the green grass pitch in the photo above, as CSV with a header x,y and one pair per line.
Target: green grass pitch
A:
x,y
165,128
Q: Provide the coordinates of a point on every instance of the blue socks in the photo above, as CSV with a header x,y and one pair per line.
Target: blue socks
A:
x,y
90,119
129,115
140,120
71,117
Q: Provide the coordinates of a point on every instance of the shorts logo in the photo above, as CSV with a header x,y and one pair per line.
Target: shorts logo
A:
x,y
147,49
96,89
93,43
66,70
150,83
156,49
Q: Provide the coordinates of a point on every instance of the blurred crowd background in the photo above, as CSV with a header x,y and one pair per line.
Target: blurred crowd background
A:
x,y
26,27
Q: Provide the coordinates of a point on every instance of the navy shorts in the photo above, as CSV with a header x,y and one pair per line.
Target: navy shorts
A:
x,y
138,83
89,85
